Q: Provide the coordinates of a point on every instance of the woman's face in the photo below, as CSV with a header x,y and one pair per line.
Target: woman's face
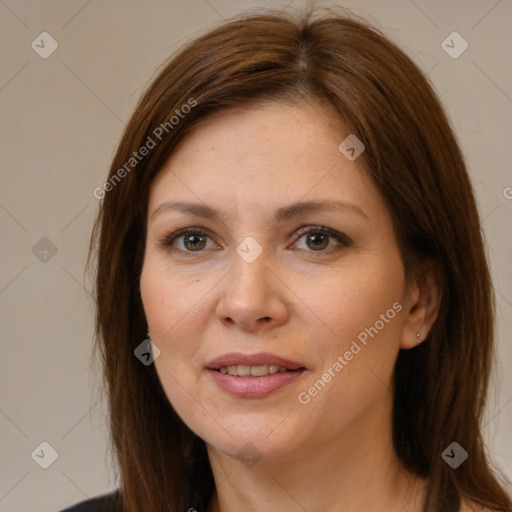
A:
x,y
254,286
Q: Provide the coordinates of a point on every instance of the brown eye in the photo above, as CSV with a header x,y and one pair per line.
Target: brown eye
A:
x,y
317,241
187,240
194,242
317,238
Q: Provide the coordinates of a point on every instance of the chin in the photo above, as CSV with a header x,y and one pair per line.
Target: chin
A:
x,y
253,440
252,451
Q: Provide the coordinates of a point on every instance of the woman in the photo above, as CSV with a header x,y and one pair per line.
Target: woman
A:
x,y
293,302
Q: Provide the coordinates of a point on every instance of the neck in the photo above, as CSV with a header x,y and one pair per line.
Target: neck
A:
x,y
349,474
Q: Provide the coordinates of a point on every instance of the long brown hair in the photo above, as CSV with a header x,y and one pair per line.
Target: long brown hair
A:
x,y
412,154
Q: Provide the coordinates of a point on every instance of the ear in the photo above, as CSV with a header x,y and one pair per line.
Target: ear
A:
x,y
421,308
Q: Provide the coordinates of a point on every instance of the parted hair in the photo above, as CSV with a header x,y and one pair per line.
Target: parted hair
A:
x,y
334,57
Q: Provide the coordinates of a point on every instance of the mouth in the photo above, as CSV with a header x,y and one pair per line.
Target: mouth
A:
x,y
243,370
253,365
253,376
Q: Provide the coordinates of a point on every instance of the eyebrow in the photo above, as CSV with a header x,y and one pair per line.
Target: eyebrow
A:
x,y
284,213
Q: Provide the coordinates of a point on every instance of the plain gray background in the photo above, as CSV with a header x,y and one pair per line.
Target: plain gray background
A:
x,y
61,119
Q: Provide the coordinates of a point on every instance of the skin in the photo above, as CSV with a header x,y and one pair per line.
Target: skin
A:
x,y
293,300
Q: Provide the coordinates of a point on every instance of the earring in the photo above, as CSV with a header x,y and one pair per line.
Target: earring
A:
x,y
418,337
149,335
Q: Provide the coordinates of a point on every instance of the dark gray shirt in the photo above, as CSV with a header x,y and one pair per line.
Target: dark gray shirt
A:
x,y
106,503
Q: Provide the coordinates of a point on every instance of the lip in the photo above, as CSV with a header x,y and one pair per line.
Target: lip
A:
x,y
259,359
253,387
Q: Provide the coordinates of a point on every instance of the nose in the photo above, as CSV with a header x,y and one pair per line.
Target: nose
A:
x,y
254,297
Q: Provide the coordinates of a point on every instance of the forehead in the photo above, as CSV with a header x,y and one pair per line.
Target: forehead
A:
x,y
269,153
266,133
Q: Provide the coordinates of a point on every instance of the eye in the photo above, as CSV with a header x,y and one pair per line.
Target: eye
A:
x,y
187,240
190,240
316,238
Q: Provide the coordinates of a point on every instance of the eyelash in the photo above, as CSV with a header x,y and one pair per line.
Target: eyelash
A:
x,y
167,242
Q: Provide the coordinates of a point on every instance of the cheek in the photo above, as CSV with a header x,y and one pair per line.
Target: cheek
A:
x,y
171,307
360,309
175,314
354,298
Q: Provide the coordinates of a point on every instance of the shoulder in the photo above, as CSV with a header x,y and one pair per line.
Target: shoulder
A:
x,y
105,503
